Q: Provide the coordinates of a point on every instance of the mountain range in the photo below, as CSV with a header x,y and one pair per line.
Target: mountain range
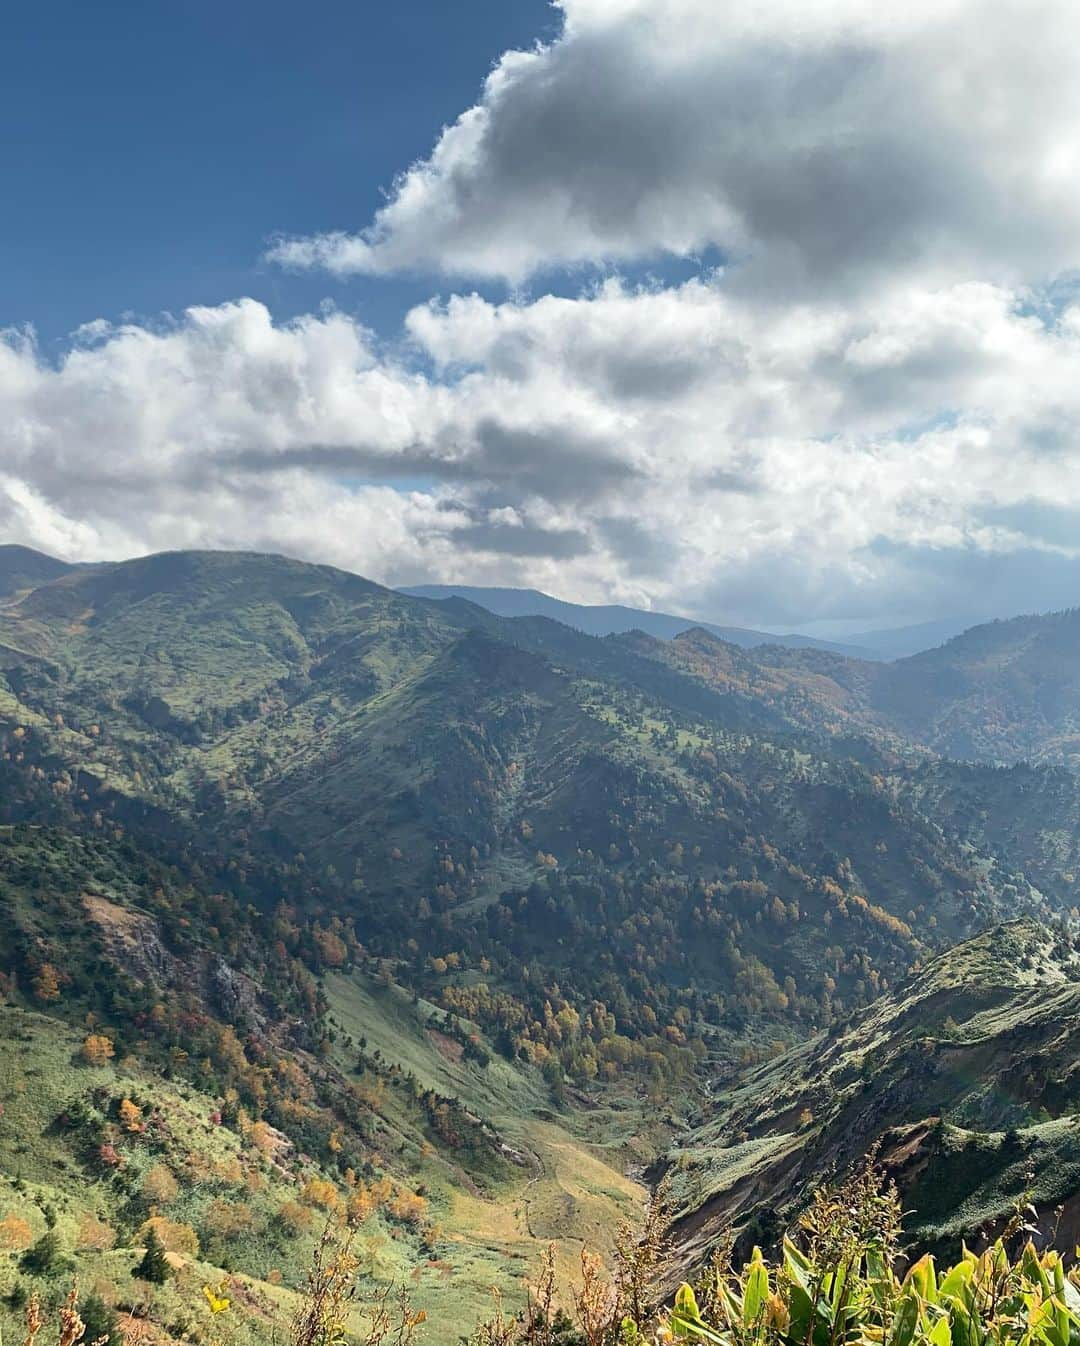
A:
x,y
614,619
482,913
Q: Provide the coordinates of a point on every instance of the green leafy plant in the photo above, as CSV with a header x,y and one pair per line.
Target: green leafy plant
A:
x,y
838,1283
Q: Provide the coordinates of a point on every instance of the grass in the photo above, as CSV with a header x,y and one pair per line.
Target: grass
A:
x,y
49,1179
571,1186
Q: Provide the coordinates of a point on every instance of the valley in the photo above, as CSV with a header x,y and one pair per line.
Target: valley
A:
x,y
320,898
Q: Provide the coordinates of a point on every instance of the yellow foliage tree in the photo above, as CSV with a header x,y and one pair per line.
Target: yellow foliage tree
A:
x,y
97,1050
159,1186
408,1207
174,1237
320,1192
294,1217
130,1115
46,984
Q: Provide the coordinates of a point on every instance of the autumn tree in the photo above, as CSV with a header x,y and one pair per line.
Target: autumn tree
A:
x,y
94,1233
159,1187
97,1050
130,1115
46,984
15,1233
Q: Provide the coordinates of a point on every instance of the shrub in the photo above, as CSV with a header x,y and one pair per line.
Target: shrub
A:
x,y
839,1280
15,1233
43,1257
95,1234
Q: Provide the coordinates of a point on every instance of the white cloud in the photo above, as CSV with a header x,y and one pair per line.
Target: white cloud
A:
x,y
870,413
682,447
825,146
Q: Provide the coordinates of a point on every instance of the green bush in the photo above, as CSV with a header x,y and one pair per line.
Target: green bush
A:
x,y
839,1281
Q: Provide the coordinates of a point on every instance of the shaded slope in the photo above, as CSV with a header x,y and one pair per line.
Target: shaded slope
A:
x,y
968,1072
22,568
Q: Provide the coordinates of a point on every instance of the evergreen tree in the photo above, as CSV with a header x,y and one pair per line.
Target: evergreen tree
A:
x,y
42,1257
154,1266
99,1319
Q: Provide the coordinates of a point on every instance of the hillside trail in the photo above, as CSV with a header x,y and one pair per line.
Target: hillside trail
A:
x,y
541,1172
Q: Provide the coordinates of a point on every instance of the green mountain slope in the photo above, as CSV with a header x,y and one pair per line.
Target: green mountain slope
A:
x,y
576,813
967,1075
175,1057
1003,692
426,767
473,903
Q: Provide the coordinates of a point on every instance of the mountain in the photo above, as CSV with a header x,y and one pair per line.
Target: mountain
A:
x,y
531,794
899,642
22,568
966,1074
612,619
1007,691
456,914
514,788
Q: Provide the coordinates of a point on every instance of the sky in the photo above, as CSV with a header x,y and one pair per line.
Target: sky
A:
x,y
765,314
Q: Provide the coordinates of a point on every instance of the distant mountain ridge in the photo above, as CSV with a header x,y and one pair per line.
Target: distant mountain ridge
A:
x,y
1007,691
23,568
610,619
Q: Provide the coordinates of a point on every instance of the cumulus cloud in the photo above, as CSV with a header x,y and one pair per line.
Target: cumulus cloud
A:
x,y
868,411
683,446
820,145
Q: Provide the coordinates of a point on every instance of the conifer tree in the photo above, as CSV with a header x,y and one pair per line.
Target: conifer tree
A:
x,y
154,1266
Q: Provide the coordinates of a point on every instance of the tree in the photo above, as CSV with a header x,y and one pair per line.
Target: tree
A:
x,y
95,1233
98,1319
43,1257
97,1050
130,1115
159,1186
154,1266
46,984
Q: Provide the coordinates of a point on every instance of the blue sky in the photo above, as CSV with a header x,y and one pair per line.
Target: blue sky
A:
x,y
766,314
148,150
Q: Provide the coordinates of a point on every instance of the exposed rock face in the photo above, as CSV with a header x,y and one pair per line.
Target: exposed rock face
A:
x,y
235,995
132,942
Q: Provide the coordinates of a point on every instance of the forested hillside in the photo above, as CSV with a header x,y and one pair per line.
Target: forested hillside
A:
x,y
399,905
1002,692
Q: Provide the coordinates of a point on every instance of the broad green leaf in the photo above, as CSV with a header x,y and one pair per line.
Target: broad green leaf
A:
x,y
757,1288
905,1322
